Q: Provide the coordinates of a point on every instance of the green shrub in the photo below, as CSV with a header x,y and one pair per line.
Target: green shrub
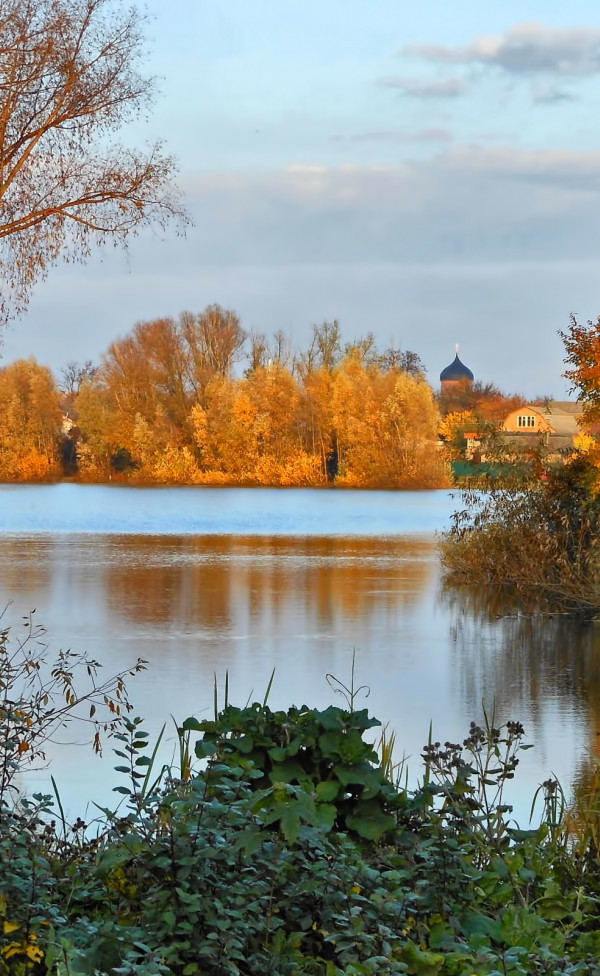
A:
x,y
263,861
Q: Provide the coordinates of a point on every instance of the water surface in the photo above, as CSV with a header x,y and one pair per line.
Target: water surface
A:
x,y
207,581
220,511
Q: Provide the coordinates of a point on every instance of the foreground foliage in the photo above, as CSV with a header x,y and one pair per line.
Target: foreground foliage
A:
x,y
292,852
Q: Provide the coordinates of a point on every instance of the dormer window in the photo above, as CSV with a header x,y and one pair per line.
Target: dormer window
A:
x,y
526,420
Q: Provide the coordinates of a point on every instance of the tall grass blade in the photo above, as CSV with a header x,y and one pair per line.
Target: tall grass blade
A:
x,y
60,807
144,790
269,686
185,758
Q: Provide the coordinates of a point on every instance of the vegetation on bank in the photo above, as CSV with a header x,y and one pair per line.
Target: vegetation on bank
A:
x,y
165,407
284,843
536,538
536,532
169,404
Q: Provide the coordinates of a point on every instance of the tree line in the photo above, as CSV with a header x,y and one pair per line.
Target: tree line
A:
x,y
198,400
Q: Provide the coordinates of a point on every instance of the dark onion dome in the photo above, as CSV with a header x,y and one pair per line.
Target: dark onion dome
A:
x,y
456,371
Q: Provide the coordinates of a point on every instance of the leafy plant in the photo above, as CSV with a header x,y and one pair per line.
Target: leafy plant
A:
x,y
38,697
288,851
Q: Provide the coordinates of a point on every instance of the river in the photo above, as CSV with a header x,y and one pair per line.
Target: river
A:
x,y
203,582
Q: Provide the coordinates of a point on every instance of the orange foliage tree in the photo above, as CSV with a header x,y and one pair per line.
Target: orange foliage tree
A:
x,y
385,427
31,428
165,406
582,345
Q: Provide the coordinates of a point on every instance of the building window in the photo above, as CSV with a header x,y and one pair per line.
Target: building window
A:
x,y
526,420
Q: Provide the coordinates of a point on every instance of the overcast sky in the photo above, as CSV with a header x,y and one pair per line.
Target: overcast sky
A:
x,y
429,172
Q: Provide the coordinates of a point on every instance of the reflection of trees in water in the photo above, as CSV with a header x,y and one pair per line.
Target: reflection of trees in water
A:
x,y
524,661
212,581
25,570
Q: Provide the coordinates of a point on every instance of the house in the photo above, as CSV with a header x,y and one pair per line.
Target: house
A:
x,y
556,421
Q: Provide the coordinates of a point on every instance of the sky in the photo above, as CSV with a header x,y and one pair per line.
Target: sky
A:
x,y
427,172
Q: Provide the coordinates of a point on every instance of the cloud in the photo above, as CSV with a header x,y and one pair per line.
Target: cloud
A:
x,y
427,88
525,49
491,247
575,172
399,135
543,95
468,204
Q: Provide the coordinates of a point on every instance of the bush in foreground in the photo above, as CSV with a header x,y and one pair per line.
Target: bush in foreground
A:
x,y
291,852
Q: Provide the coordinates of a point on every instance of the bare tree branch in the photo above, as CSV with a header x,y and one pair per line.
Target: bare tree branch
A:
x,y
69,79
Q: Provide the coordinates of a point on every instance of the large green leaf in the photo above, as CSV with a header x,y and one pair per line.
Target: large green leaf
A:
x,y
369,820
360,774
328,790
289,771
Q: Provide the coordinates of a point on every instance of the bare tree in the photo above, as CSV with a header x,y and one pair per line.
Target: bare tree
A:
x,y
74,374
259,352
325,349
215,339
69,79
404,360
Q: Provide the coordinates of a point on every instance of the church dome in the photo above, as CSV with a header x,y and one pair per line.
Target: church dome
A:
x,y
455,372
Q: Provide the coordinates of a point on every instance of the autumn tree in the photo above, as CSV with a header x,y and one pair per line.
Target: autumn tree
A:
x,y
31,429
385,426
483,400
70,79
101,435
325,349
259,352
249,431
404,360
148,370
582,345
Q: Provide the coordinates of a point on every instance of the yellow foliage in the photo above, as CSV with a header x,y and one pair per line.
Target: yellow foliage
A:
x,y
199,421
34,466
214,478
175,465
28,948
454,423
266,471
386,425
244,410
584,443
303,470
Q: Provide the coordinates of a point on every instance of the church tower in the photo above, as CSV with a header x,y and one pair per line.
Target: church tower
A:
x,y
455,375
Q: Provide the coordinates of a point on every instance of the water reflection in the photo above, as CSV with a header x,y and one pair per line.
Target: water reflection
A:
x,y
30,562
194,605
545,666
198,605
224,583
